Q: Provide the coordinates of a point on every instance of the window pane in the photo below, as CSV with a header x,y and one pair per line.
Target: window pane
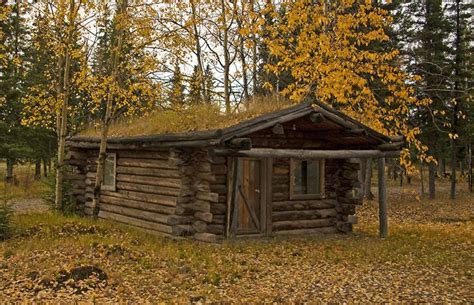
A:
x,y
109,170
307,177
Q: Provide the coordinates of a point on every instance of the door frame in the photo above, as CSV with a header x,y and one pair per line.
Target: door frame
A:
x,y
266,171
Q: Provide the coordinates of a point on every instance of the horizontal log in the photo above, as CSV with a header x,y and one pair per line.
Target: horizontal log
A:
x,y
218,219
165,182
280,196
306,154
218,160
277,170
303,224
220,179
154,172
303,205
211,197
217,229
391,146
153,198
220,169
144,188
303,214
131,212
139,154
136,222
191,208
306,232
147,163
218,208
220,189
199,226
204,216
397,138
141,205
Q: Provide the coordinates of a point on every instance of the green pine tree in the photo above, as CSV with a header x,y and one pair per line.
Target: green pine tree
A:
x,y
176,94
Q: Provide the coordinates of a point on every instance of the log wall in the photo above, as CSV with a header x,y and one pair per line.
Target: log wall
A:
x,y
298,216
182,193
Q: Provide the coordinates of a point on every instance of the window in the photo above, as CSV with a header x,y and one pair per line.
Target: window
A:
x,y
307,179
108,182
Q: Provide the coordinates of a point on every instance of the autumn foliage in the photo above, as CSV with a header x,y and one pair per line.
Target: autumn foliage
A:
x,y
335,52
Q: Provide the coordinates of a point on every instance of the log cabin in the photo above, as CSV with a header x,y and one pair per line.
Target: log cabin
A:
x,y
292,171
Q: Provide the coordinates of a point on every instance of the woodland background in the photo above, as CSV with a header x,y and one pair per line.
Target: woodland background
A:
x,y
400,67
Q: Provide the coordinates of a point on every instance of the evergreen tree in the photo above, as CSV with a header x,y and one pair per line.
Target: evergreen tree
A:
x,y
210,87
195,84
176,95
13,147
267,81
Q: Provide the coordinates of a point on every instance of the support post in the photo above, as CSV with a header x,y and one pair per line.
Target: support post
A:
x,y
236,172
382,199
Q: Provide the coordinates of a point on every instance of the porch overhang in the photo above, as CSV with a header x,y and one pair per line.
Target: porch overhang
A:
x,y
380,155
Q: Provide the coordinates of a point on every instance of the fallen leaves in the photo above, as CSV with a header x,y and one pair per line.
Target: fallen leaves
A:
x,y
426,258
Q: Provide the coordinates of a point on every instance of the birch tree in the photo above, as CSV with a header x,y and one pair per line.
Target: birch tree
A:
x,y
127,89
63,20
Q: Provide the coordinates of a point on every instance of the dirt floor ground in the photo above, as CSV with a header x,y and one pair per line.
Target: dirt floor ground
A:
x,y
428,257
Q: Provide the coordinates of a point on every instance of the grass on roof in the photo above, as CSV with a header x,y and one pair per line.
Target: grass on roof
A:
x,y
194,118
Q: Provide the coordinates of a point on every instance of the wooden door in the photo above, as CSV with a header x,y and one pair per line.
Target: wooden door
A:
x,y
250,205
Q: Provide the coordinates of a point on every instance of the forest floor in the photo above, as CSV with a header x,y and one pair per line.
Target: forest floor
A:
x,y
428,257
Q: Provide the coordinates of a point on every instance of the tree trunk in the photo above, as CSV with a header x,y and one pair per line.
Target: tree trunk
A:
x,y
422,182
442,166
244,71
457,100
254,49
431,180
45,168
62,119
109,112
368,180
197,44
9,176
58,200
38,169
225,28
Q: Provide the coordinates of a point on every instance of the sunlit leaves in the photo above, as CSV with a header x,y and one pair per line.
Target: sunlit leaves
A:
x,y
334,57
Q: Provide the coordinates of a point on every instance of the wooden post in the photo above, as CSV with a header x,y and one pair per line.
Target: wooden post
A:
x,y
382,199
236,173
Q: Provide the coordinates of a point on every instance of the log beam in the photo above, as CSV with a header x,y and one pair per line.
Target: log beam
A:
x,y
306,154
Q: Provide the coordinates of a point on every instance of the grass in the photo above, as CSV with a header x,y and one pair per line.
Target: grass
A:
x,y
427,257
25,186
194,118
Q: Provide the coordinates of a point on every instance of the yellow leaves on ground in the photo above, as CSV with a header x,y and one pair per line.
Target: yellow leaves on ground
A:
x,y
426,258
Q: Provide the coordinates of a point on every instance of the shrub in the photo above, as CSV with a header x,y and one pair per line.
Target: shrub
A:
x,y
6,212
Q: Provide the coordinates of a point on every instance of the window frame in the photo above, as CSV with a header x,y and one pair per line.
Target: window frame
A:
x,y
114,186
321,194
